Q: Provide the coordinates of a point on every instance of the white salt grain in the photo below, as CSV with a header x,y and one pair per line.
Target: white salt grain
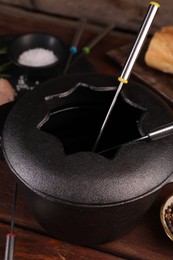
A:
x,y
22,84
37,57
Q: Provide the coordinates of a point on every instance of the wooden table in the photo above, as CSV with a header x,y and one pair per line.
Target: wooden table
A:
x,y
147,240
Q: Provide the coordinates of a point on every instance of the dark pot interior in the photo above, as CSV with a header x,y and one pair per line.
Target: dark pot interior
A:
x,y
78,126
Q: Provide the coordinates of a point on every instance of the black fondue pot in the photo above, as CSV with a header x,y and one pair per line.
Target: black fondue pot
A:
x,y
75,194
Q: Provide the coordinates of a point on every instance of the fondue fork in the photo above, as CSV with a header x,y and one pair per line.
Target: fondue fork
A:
x,y
10,237
74,46
161,132
86,49
123,79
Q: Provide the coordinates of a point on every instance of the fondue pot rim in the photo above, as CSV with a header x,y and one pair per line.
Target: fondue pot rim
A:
x,y
9,133
89,205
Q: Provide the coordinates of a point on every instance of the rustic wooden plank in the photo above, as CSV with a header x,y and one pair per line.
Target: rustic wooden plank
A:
x,y
9,13
30,245
147,239
153,243
22,21
34,245
157,80
15,21
126,13
7,184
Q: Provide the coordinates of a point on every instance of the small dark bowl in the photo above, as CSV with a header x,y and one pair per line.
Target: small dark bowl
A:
x,y
37,40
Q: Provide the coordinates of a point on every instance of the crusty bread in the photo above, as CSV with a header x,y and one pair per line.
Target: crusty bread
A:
x,y
7,93
160,51
168,29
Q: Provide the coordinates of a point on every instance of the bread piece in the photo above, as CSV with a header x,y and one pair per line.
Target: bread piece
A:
x,y
7,93
160,51
168,29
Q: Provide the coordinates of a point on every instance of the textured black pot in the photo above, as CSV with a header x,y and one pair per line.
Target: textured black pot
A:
x,y
75,194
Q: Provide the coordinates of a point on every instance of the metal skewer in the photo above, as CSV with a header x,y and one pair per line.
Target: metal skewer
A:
x,y
86,49
10,237
123,79
74,46
161,132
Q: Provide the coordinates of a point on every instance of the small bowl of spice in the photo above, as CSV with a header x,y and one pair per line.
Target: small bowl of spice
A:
x,y
37,52
166,216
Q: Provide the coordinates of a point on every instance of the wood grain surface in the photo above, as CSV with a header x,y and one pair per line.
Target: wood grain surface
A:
x,y
126,14
147,241
157,80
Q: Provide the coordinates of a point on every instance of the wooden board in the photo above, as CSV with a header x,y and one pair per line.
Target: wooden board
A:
x,y
126,14
155,79
147,240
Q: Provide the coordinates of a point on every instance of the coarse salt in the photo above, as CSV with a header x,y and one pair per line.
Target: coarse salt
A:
x,y
22,84
37,57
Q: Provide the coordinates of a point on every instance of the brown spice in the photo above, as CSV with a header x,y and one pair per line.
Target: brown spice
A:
x,y
169,217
